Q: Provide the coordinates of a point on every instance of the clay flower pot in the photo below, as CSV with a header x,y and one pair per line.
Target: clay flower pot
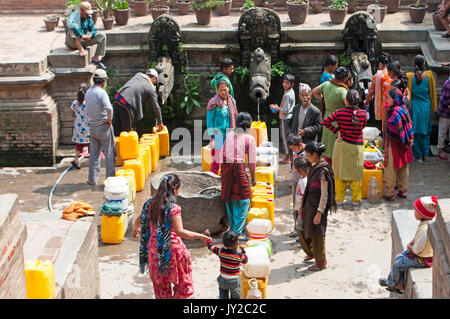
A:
x,y
108,23
122,16
377,11
225,9
269,5
437,22
95,14
417,14
392,5
433,5
159,10
351,6
316,6
140,7
203,16
50,23
184,7
337,16
52,17
297,12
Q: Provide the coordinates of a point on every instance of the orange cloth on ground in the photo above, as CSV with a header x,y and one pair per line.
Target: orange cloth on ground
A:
x,y
76,210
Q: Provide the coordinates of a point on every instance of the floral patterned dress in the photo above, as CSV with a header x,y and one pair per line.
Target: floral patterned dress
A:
x,y
180,271
80,133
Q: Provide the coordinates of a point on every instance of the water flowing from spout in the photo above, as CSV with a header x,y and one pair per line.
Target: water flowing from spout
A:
x,y
258,101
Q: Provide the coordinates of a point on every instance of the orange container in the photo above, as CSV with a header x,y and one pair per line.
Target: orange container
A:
x,y
164,143
367,177
137,165
129,145
119,160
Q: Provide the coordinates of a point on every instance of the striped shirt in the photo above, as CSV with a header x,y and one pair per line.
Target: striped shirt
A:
x,y
230,260
349,133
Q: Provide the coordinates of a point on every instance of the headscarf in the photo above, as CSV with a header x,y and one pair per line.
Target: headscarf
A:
x,y
217,101
163,236
398,123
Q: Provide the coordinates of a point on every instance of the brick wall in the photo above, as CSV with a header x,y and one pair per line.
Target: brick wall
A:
x,y
58,6
12,237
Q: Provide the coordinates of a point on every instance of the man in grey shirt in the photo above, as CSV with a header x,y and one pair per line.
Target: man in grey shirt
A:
x,y
100,115
287,105
130,100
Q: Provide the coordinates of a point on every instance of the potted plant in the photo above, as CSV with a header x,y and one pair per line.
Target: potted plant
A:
x,y
183,6
224,9
269,4
392,5
140,7
51,22
248,4
297,10
121,11
377,11
437,22
158,8
338,10
316,6
106,8
203,10
351,7
417,12
95,14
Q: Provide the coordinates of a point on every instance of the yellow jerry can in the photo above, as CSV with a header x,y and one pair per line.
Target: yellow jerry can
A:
x,y
206,158
258,130
264,174
143,156
164,142
130,177
255,212
119,160
40,279
153,152
137,166
367,177
148,155
245,285
113,228
264,202
129,145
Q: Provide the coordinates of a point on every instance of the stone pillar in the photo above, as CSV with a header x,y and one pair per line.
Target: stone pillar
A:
x,y
13,235
439,235
28,116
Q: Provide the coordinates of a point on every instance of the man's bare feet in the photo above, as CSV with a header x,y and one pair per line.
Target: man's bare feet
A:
x,y
82,52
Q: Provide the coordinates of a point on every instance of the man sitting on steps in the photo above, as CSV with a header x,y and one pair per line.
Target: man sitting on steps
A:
x,y
81,33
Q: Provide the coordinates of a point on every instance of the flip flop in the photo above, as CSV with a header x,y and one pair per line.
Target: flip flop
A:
x,y
446,35
308,258
402,194
316,268
397,291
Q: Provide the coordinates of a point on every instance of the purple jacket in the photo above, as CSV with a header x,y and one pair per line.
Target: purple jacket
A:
x,y
444,102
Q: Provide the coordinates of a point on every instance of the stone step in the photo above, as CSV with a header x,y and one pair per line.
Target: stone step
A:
x,y
20,68
64,57
439,46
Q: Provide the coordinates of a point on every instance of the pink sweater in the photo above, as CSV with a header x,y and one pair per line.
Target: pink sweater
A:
x,y
235,152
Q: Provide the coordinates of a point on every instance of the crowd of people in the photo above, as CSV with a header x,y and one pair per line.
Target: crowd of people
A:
x,y
323,144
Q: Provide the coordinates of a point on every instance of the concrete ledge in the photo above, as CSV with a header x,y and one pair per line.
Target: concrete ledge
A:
x,y
418,282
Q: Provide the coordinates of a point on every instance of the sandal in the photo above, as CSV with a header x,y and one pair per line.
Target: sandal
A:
x,y
293,234
389,198
308,258
400,292
446,35
317,268
76,165
402,194
443,156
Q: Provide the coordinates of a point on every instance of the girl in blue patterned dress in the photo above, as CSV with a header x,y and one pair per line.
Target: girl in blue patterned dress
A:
x,y
80,134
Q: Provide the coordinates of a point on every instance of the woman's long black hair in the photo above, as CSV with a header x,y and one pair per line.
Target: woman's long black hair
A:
x,y
331,60
394,67
419,67
352,98
164,197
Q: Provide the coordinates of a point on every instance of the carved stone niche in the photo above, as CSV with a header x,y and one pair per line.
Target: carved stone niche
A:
x,y
164,39
259,28
360,35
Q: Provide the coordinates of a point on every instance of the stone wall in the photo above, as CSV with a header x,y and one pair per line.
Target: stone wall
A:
x,y
13,235
439,235
57,6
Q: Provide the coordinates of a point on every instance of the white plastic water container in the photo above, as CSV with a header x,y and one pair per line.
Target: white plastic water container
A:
x,y
267,155
370,133
259,226
117,191
258,264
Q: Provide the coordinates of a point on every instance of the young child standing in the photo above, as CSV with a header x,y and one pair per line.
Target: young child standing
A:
x,y
285,109
295,143
419,253
230,264
301,166
80,134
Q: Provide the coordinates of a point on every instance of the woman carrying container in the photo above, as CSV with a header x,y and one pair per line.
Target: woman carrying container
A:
x,y
160,228
236,187
333,92
221,115
399,139
348,154
318,200
422,86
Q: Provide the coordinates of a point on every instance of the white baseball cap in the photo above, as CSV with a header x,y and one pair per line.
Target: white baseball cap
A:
x,y
152,72
100,74
86,7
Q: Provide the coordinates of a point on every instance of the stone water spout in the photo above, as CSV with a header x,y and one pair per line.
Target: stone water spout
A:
x,y
164,40
259,76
